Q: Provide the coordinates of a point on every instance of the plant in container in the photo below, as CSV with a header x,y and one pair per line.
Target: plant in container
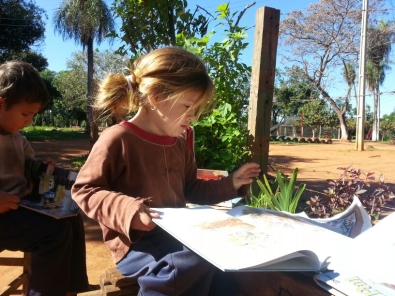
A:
x,y
284,197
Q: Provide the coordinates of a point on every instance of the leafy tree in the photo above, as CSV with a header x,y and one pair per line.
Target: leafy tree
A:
x,y
388,126
147,25
37,60
352,123
70,106
291,93
85,21
220,136
45,117
316,113
22,26
322,40
378,51
49,77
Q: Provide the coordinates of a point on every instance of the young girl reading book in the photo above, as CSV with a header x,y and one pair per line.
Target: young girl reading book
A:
x,y
145,162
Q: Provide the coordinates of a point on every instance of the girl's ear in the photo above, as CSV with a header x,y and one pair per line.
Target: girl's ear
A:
x,y
2,103
153,100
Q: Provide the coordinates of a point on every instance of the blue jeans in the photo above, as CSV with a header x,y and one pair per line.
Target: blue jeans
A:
x,y
57,250
163,266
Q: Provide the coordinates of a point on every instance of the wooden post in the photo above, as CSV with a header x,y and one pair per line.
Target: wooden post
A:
x,y
262,84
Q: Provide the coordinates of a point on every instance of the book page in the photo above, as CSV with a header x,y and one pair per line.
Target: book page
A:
x,y
303,233
351,222
352,284
372,255
232,244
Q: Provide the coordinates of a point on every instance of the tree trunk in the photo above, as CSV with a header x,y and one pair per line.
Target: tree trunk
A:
x,y
90,115
374,125
340,113
343,127
376,115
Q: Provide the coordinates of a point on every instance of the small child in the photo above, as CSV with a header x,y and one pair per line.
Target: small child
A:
x,y
145,162
57,247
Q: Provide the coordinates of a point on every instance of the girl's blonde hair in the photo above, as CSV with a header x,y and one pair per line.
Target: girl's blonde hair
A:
x,y
167,72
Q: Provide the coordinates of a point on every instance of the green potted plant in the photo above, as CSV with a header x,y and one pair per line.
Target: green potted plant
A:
x,y
285,197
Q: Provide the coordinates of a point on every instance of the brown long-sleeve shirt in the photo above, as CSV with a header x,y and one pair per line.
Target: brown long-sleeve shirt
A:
x,y
127,164
14,150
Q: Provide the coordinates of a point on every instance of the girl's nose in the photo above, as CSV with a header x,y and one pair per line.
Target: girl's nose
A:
x,y
191,115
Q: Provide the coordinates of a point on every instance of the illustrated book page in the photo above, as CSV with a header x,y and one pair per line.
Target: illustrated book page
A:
x,y
51,190
351,222
352,284
371,259
252,241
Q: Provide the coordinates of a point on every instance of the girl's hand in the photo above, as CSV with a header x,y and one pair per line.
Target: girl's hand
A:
x,y
8,202
245,174
142,219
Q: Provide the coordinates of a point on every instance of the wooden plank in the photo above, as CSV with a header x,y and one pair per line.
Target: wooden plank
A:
x,y
111,290
120,291
91,293
117,279
14,285
262,84
7,261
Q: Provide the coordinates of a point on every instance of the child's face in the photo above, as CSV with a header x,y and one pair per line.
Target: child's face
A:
x,y
18,116
172,117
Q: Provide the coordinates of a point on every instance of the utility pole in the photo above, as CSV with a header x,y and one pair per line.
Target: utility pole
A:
x,y
361,79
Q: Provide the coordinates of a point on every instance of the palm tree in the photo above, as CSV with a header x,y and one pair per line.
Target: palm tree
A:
x,y
85,21
349,76
376,63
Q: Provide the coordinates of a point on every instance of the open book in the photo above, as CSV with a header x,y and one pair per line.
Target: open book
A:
x,y
368,267
249,239
51,187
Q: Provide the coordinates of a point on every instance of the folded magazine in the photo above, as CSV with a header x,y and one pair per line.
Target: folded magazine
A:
x,y
51,190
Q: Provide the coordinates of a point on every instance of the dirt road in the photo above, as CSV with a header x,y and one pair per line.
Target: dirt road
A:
x,y
316,164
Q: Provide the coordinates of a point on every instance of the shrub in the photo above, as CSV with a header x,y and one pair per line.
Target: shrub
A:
x,y
341,192
284,197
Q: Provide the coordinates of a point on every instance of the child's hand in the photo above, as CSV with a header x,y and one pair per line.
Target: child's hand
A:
x,y
8,202
245,174
142,220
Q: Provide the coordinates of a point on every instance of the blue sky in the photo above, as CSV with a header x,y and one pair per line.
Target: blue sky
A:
x,y
58,51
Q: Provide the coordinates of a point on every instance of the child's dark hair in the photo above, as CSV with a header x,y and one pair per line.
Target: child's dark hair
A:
x,y
168,72
21,82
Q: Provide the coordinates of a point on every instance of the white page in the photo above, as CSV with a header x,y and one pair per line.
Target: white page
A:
x,y
373,253
231,244
303,233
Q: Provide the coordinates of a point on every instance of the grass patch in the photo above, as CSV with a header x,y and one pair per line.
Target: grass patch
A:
x,y
42,133
78,162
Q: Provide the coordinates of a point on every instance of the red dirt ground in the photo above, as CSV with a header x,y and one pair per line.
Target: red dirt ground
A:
x,y
316,164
